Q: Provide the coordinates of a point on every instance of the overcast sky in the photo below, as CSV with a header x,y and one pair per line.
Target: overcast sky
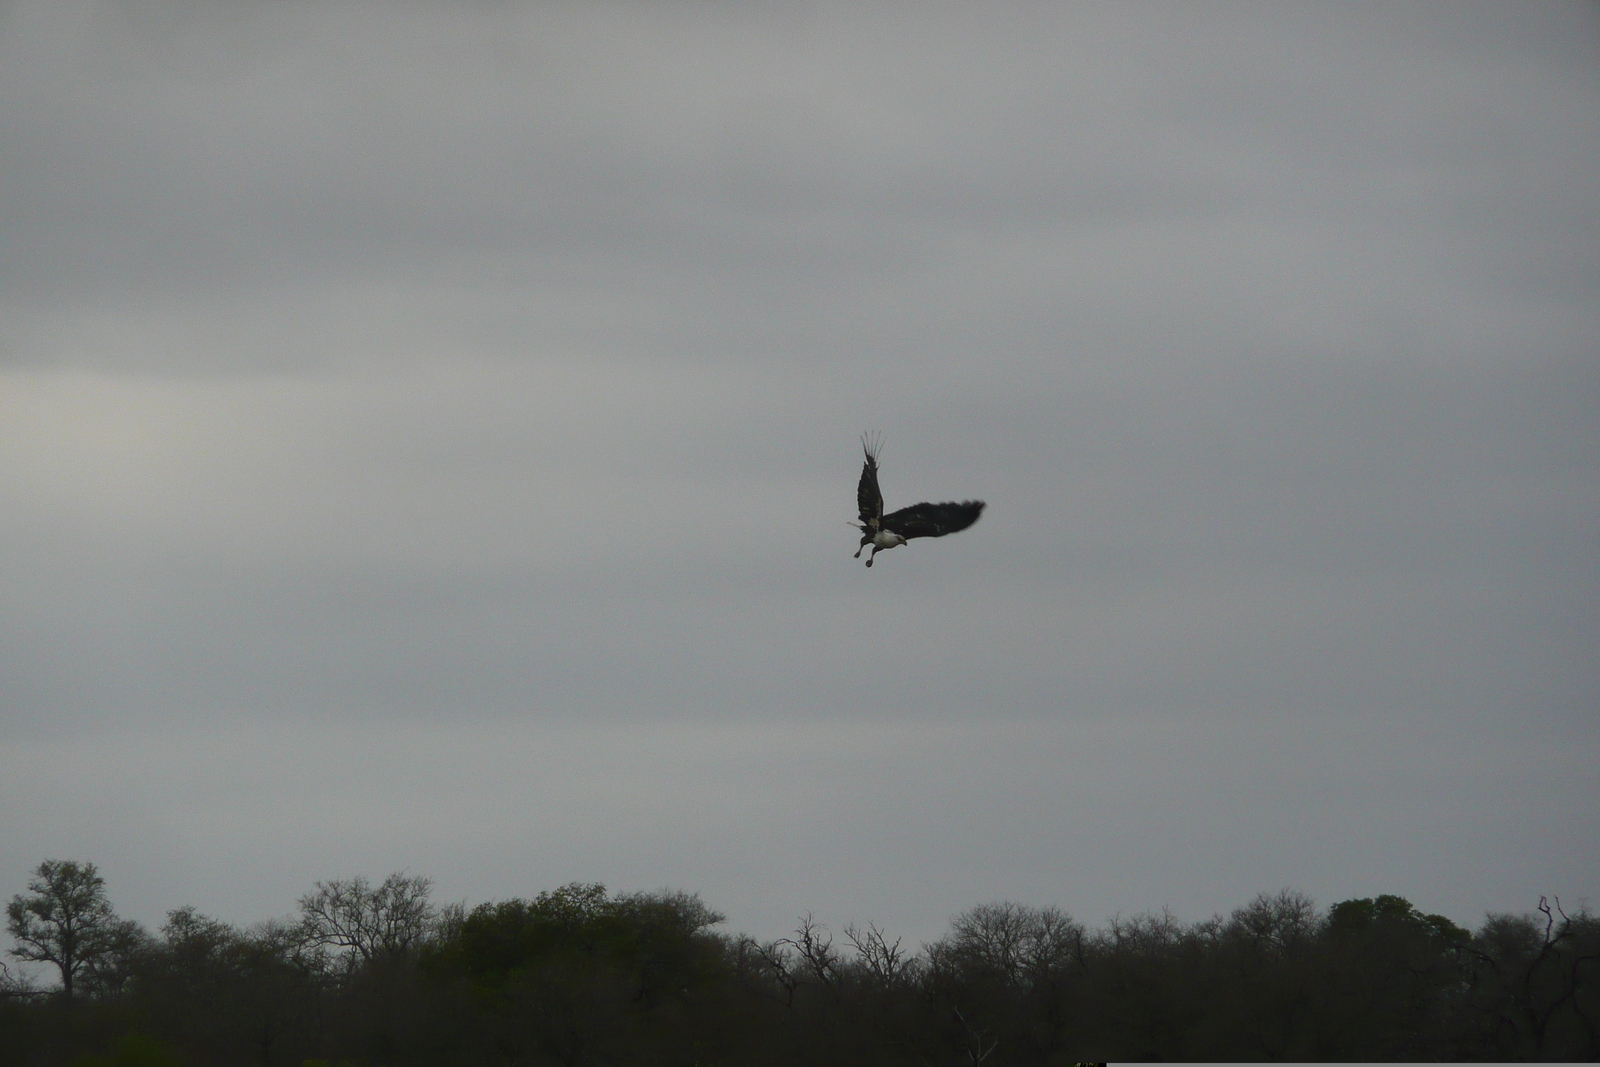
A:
x,y
427,434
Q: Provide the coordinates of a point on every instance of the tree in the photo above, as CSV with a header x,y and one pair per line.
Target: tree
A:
x,y
67,921
388,921
1015,944
227,995
883,962
1393,975
15,987
579,976
1535,987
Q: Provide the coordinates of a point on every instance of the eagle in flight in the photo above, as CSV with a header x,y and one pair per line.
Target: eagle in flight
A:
x,y
896,528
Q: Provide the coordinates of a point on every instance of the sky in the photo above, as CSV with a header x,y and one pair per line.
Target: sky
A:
x,y
428,434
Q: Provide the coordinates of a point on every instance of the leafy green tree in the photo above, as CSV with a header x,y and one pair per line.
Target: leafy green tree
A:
x,y
1394,912
66,920
1391,976
575,976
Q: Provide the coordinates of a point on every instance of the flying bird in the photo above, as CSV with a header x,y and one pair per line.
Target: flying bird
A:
x,y
896,528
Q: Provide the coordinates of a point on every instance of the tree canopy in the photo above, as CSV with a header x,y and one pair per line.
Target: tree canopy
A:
x,y
381,975
65,920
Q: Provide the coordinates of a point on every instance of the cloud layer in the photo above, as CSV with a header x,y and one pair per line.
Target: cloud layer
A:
x,y
426,436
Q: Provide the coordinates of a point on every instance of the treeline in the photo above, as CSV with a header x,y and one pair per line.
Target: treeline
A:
x,y
380,975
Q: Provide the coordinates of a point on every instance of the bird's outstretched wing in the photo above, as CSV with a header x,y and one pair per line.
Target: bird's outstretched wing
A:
x,y
868,497
932,520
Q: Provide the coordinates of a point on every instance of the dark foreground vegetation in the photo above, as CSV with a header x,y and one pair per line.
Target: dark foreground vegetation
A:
x,y
378,975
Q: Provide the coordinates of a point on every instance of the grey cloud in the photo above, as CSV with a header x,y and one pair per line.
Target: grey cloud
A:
x,y
295,142
494,372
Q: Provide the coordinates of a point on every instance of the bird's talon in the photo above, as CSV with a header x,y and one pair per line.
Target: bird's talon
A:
x,y
882,531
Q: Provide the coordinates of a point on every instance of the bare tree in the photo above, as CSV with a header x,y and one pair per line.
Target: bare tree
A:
x,y
814,945
887,963
1019,944
366,923
978,1043
1529,977
16,987
777,960
1280,923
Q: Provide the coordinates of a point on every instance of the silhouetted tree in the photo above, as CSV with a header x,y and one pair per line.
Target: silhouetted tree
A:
x,y
1535,987
885,963
227,995
577,976
66,920
15,987
365,923
999,981
1392,975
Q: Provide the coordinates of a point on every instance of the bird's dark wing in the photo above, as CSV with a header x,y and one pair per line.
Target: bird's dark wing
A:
x,y
932,520
868,498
